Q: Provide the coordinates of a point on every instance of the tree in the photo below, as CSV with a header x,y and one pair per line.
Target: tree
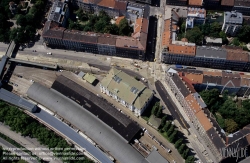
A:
x,y
182,148
155,108
235,42
163,120
224,37
159,112
172,137
21,20
112,29
178,143
166,126
230,125
185,153
190,159
171,130
215,29
244,34
210,97
194,35
124,28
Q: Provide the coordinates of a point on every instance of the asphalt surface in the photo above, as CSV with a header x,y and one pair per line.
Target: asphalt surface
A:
x,y
71,134
170,104
21,153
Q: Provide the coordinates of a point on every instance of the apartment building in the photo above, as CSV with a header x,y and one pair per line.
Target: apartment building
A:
x,y
195,16
182,52
242,6
196,3
182,83
126,90
232,22
106,44
177,2
59,12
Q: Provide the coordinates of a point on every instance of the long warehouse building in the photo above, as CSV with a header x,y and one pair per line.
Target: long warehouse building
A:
x,y
92,126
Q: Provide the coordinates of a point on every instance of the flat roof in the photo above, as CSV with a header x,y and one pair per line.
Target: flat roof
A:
x,y
211,52
155,157
80,117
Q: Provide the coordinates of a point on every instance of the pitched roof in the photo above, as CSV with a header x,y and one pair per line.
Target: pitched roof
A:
x,y
195,2
245,3
227,2
141,25
234,78
180,49
167,33
203,120
194,105
194,78
107,3
120,5
107,39
127,88
117,21
128,42
237,55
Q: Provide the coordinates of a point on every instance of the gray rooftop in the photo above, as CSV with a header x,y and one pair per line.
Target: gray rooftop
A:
x,y
199,100
16,100
3,63
233,17
211,52
57,11
214,40
103,135
155,157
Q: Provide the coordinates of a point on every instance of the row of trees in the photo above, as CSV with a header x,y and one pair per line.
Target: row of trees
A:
x,y
169,130
230,114
27,126
99,23
173,135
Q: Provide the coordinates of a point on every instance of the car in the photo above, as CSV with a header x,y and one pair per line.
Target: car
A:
x,y
32,81
174,161
19,76
168,150
16,85
154,92
11,83
49,53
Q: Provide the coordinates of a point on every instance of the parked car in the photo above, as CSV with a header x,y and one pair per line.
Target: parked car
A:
x,y
49,53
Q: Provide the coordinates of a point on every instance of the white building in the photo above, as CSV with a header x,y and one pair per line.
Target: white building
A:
x,y
232,22
195,16
126,90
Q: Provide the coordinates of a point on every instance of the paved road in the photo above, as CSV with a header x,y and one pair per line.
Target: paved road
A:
x,y
71,134
170,104
18,152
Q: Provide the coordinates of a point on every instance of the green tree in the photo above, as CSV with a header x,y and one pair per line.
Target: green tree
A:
x,y
235,42
231,125
21,20
159,112
244,34
194,35
182,148
166,126
99,25
124,28
163,120
171,130
210,97
215,29
190,159
172,137
112,29
185,153
224,37
178,143
155,108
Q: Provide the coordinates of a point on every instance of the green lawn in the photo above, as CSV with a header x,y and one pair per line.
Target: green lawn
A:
x,y
21,161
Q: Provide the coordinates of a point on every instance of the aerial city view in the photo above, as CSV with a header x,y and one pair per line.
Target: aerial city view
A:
x,y
125,81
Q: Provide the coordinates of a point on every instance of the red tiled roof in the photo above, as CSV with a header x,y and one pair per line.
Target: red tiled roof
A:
x,y
180,49
195,2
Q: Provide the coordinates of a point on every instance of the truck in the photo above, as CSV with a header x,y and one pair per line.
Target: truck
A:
x,y
178,66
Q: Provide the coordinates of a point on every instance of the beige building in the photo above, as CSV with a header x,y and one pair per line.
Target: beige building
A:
x,y
126,90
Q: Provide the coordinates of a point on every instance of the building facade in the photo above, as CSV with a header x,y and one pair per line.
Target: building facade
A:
x,y
242,6
232,22
177,2
126,90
